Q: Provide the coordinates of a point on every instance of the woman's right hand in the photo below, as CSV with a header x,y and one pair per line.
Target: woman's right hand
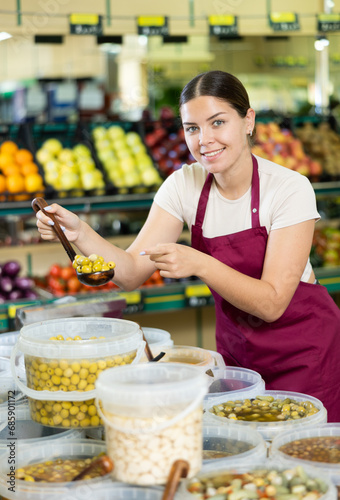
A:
x,y
69,222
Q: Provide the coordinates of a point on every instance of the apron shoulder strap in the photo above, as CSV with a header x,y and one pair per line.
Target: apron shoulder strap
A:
x,y
203,200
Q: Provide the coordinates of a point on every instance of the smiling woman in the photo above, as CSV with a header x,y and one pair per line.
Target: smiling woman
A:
x,y
252,224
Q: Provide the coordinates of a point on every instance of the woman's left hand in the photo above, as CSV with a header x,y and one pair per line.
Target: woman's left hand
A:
x,y
174,260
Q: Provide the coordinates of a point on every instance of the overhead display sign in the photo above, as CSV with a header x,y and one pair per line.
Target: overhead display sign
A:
x,y
284,21
328,22
223,25
86,24
152,25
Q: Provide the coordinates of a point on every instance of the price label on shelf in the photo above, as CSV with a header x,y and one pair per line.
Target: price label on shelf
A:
x,y
284,21
198,295
328,22
223,25
85,24
152,25
134,301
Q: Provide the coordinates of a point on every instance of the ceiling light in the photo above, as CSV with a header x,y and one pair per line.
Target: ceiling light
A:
x,y
4,36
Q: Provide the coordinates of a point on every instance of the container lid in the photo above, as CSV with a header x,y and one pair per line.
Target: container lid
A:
x,y
156,336
120,336
150,385
317,431
270,429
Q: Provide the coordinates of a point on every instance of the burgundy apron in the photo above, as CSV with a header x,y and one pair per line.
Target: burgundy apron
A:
x,y
298,352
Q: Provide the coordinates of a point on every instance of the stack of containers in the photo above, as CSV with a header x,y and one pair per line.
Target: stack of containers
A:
x,y
61,374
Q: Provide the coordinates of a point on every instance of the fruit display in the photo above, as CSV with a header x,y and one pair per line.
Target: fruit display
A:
x,y
14,287
62,280
168,147
322,144
280,146
125,158
18,173
70,168
326,247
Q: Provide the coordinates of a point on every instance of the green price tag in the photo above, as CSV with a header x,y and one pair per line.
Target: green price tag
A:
x,y
328,22
284,21
223,25
152,25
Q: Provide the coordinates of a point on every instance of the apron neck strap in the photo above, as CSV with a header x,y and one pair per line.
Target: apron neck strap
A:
x,y
255,197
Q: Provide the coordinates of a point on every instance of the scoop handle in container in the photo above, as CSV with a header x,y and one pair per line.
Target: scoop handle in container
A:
x,y
40,204
105,463
157,428
179,469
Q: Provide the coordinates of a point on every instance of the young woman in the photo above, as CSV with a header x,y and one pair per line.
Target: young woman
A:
x,y
252,223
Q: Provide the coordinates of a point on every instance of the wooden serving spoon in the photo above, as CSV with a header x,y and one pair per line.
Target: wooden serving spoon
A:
x,y
179,469
91,279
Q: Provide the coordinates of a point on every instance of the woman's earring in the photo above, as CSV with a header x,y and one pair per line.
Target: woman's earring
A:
x,y
251,133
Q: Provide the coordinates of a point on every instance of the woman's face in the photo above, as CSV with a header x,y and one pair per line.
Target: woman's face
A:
x,y
215,133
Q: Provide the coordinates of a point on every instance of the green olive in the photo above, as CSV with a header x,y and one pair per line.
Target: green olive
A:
x,y
86,269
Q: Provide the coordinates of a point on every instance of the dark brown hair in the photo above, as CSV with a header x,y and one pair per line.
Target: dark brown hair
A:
x,y
217,84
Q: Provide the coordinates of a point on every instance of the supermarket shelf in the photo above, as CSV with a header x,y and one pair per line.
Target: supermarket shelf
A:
x,y
326,188
329,277
85,204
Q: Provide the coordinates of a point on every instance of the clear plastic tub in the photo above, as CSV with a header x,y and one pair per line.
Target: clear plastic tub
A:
x,y
218,358
5,367
269,430
26,431
323,431
153,416
7,341
157,337
61,380
312,473
44,451
119,491
195,356
230,444
233,382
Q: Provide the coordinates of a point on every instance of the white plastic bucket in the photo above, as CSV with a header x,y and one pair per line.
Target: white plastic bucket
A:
x,y
42,452
63,393
238,444
153,416
331,430
157,337
270,429
233,382
227,473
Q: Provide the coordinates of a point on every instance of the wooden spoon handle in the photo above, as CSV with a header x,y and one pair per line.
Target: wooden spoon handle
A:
x,y
179,469
40,204
105,463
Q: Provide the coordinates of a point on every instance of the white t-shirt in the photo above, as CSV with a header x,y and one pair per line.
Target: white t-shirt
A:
x,y
286,198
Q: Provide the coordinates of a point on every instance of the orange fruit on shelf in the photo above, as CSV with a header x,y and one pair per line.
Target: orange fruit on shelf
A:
x,y
11,169
33,182
23,156
15,183
9,147
6,159
3,183
29,168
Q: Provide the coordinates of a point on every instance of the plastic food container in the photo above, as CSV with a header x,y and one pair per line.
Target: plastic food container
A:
x,y
61,380
195,356
269,430
218,358
7,341
26,431
230,444
233,382
153,416
323,431
5,367
119,491
157,337
274,467
44,451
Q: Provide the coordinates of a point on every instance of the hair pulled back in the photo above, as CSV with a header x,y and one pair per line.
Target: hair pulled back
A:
x,y
217,84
